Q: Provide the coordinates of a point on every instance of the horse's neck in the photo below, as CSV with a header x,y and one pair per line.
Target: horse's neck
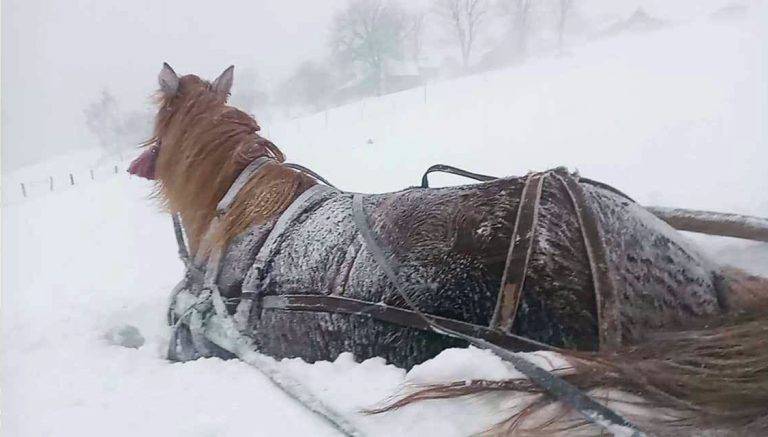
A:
x,y
263,197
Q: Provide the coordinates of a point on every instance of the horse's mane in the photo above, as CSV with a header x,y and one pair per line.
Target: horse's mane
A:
x,y
203,146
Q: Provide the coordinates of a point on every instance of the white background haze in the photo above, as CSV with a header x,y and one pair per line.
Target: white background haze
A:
x,y
675,117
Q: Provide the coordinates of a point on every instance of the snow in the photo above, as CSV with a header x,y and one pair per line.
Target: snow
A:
x,y
673,118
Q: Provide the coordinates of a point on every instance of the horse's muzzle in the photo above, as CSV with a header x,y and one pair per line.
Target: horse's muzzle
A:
x,y
144,165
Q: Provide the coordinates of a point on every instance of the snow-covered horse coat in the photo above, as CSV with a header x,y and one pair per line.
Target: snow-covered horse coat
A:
x,y
450,246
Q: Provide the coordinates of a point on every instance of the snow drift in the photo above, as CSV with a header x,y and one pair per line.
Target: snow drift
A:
x,y
674,118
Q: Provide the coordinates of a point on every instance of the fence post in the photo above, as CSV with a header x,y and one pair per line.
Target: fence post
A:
x,y
425,94
115,169
50,178
91,171
71,179
23,190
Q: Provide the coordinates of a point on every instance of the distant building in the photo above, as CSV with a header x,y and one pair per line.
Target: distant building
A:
x,y
400,75
639,21
734,11
397,76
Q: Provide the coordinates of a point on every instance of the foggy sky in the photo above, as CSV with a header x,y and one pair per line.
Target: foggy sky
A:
x,y
58,55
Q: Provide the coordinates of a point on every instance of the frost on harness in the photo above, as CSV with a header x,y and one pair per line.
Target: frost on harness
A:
x,y
295,268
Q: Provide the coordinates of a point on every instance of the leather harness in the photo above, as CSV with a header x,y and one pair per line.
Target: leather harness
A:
x,y
497,337
499,331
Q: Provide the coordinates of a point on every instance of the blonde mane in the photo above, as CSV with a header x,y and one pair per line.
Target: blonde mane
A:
x,y
203,146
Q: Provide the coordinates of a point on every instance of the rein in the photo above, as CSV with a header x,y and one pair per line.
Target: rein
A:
x,y
497,337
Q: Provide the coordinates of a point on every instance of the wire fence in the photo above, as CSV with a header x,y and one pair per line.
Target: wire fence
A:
x,y
359,111
18,189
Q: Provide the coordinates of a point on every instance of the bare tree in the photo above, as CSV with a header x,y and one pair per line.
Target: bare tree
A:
x,y
565,8
247,94
464,18
311,85
103,118
114,128
415,35
519,12
369,32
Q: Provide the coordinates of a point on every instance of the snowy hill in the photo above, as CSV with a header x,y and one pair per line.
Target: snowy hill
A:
x,y
674,118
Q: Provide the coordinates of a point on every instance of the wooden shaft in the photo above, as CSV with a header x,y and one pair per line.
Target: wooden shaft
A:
x,y
714,223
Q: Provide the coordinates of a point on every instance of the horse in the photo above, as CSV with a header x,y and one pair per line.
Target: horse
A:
x,y
547,259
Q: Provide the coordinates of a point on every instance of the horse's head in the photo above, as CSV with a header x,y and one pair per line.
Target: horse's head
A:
x,y
199,145
194,116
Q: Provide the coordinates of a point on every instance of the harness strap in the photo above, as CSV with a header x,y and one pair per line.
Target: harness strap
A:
x,y
550,383
178,232
249,308
226,202
513,279
604,186
222,330
520,248
219,328
397,316
442,168
303,169
606,298
555,386
192,273
566,393
359,217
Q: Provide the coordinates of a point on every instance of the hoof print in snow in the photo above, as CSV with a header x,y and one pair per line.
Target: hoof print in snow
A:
x,y
125,336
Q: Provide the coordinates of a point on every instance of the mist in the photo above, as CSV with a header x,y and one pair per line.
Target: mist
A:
x,y
60,57
665,101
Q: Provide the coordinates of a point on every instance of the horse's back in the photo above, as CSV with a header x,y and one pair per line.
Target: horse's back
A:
x,y
449,246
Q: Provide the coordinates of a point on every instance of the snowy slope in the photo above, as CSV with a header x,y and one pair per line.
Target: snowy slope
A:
x,y
92,259
672,118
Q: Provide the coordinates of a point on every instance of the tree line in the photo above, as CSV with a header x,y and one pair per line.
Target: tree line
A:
x,y
381,46
376,47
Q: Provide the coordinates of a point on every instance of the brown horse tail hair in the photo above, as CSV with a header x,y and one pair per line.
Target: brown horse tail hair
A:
x,y
709,377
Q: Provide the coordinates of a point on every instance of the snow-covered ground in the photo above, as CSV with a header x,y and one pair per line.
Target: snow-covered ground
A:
x,y
673,118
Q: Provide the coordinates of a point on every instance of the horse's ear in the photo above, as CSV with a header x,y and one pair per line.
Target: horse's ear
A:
x,y
223,83
169,81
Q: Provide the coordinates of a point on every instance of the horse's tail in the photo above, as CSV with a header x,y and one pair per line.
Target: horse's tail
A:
x,y
713,376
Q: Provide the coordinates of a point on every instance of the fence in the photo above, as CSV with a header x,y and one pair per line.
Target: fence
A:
x,y
367,108
19,189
